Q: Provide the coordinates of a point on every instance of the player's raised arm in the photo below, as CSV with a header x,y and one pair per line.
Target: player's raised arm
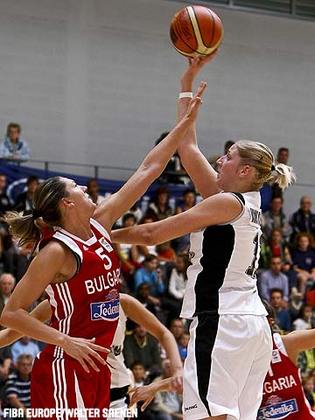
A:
x,y
195,163
150,169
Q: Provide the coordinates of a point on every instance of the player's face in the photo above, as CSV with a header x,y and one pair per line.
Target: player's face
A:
x,y
228,168
78,196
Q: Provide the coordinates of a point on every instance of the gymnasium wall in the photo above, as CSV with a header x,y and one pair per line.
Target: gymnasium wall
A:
x,y
96,81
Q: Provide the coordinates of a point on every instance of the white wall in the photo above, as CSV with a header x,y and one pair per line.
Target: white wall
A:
x,y
95,81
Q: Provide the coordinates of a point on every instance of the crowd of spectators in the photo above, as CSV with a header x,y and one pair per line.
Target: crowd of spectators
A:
x,y
157,276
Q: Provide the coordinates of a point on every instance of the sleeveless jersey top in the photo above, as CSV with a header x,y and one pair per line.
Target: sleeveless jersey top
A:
x,y
224,260
283,396
87,305
120,374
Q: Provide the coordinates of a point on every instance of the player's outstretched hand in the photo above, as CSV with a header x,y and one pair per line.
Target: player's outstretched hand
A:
x,y
85,352
195,65
193,108
144,393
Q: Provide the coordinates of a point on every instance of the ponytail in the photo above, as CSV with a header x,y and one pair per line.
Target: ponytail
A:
x,y
22,227
283,175
46,205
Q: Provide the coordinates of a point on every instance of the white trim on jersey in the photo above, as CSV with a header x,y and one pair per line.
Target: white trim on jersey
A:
x,y
100,228
64,237
52,300
79,398
89,242
60,386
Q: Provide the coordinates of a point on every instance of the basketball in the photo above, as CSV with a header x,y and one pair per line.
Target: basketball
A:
x,y
196,30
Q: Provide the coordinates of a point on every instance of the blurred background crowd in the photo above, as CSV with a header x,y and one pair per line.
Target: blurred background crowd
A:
x,y
157,275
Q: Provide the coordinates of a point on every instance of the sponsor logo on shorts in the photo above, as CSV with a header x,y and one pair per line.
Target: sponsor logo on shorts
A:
x,y
191,407
108,310
278,411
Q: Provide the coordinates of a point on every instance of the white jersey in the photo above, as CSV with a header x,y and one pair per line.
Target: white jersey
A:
x,y
120,376
224,260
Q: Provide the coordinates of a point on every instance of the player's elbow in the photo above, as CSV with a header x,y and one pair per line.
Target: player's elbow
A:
x,y
5,318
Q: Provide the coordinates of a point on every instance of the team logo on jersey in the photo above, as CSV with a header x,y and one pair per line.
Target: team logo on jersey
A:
x,y
278,410
116,350
108,310
276,358
106,245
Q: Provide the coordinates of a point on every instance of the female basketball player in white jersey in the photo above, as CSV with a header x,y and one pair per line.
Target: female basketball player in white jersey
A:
x,y
80,272
120,376
230,345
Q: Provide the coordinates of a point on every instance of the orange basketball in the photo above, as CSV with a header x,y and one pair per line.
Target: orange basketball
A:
x,y
196,30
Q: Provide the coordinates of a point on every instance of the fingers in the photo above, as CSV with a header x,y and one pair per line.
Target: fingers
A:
x,y
99,348
201,88
83,364
91,362
146,403
97,356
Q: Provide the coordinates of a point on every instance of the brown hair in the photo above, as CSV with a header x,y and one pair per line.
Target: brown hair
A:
x,y
13,125
261,158
45,204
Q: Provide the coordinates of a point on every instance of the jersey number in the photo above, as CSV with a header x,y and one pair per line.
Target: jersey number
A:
x,y
251,271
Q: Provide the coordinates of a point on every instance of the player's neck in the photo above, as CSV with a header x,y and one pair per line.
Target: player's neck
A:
x,y
79,229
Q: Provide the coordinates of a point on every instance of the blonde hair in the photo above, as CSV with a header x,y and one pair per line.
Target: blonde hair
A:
x,y
261,158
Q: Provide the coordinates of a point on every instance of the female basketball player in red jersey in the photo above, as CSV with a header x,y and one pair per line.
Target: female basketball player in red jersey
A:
x,y
230,342
283,394
80,272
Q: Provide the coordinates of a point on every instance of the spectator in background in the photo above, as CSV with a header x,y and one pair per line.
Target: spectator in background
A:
x,y
167,404
141,347
308,387
148,274
182,243
7,283
24,346
174,173
303,220
165,252
14,147
127,253
275,218
283,319
274,279
274,247
183,345
283,155
5,365
5,204
177,329
138,372
178,278
159,208
144,296
304,321
93,189
303,259
24,201
18,386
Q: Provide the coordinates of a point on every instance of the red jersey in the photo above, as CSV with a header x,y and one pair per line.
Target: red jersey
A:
x,y
87,305
283,395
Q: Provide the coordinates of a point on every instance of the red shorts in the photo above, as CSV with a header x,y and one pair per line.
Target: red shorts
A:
x,y
63,384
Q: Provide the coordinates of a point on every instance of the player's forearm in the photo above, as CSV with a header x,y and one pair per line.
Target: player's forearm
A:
x,y
158,157
170,346
42,312
203,176
138,235
22,322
